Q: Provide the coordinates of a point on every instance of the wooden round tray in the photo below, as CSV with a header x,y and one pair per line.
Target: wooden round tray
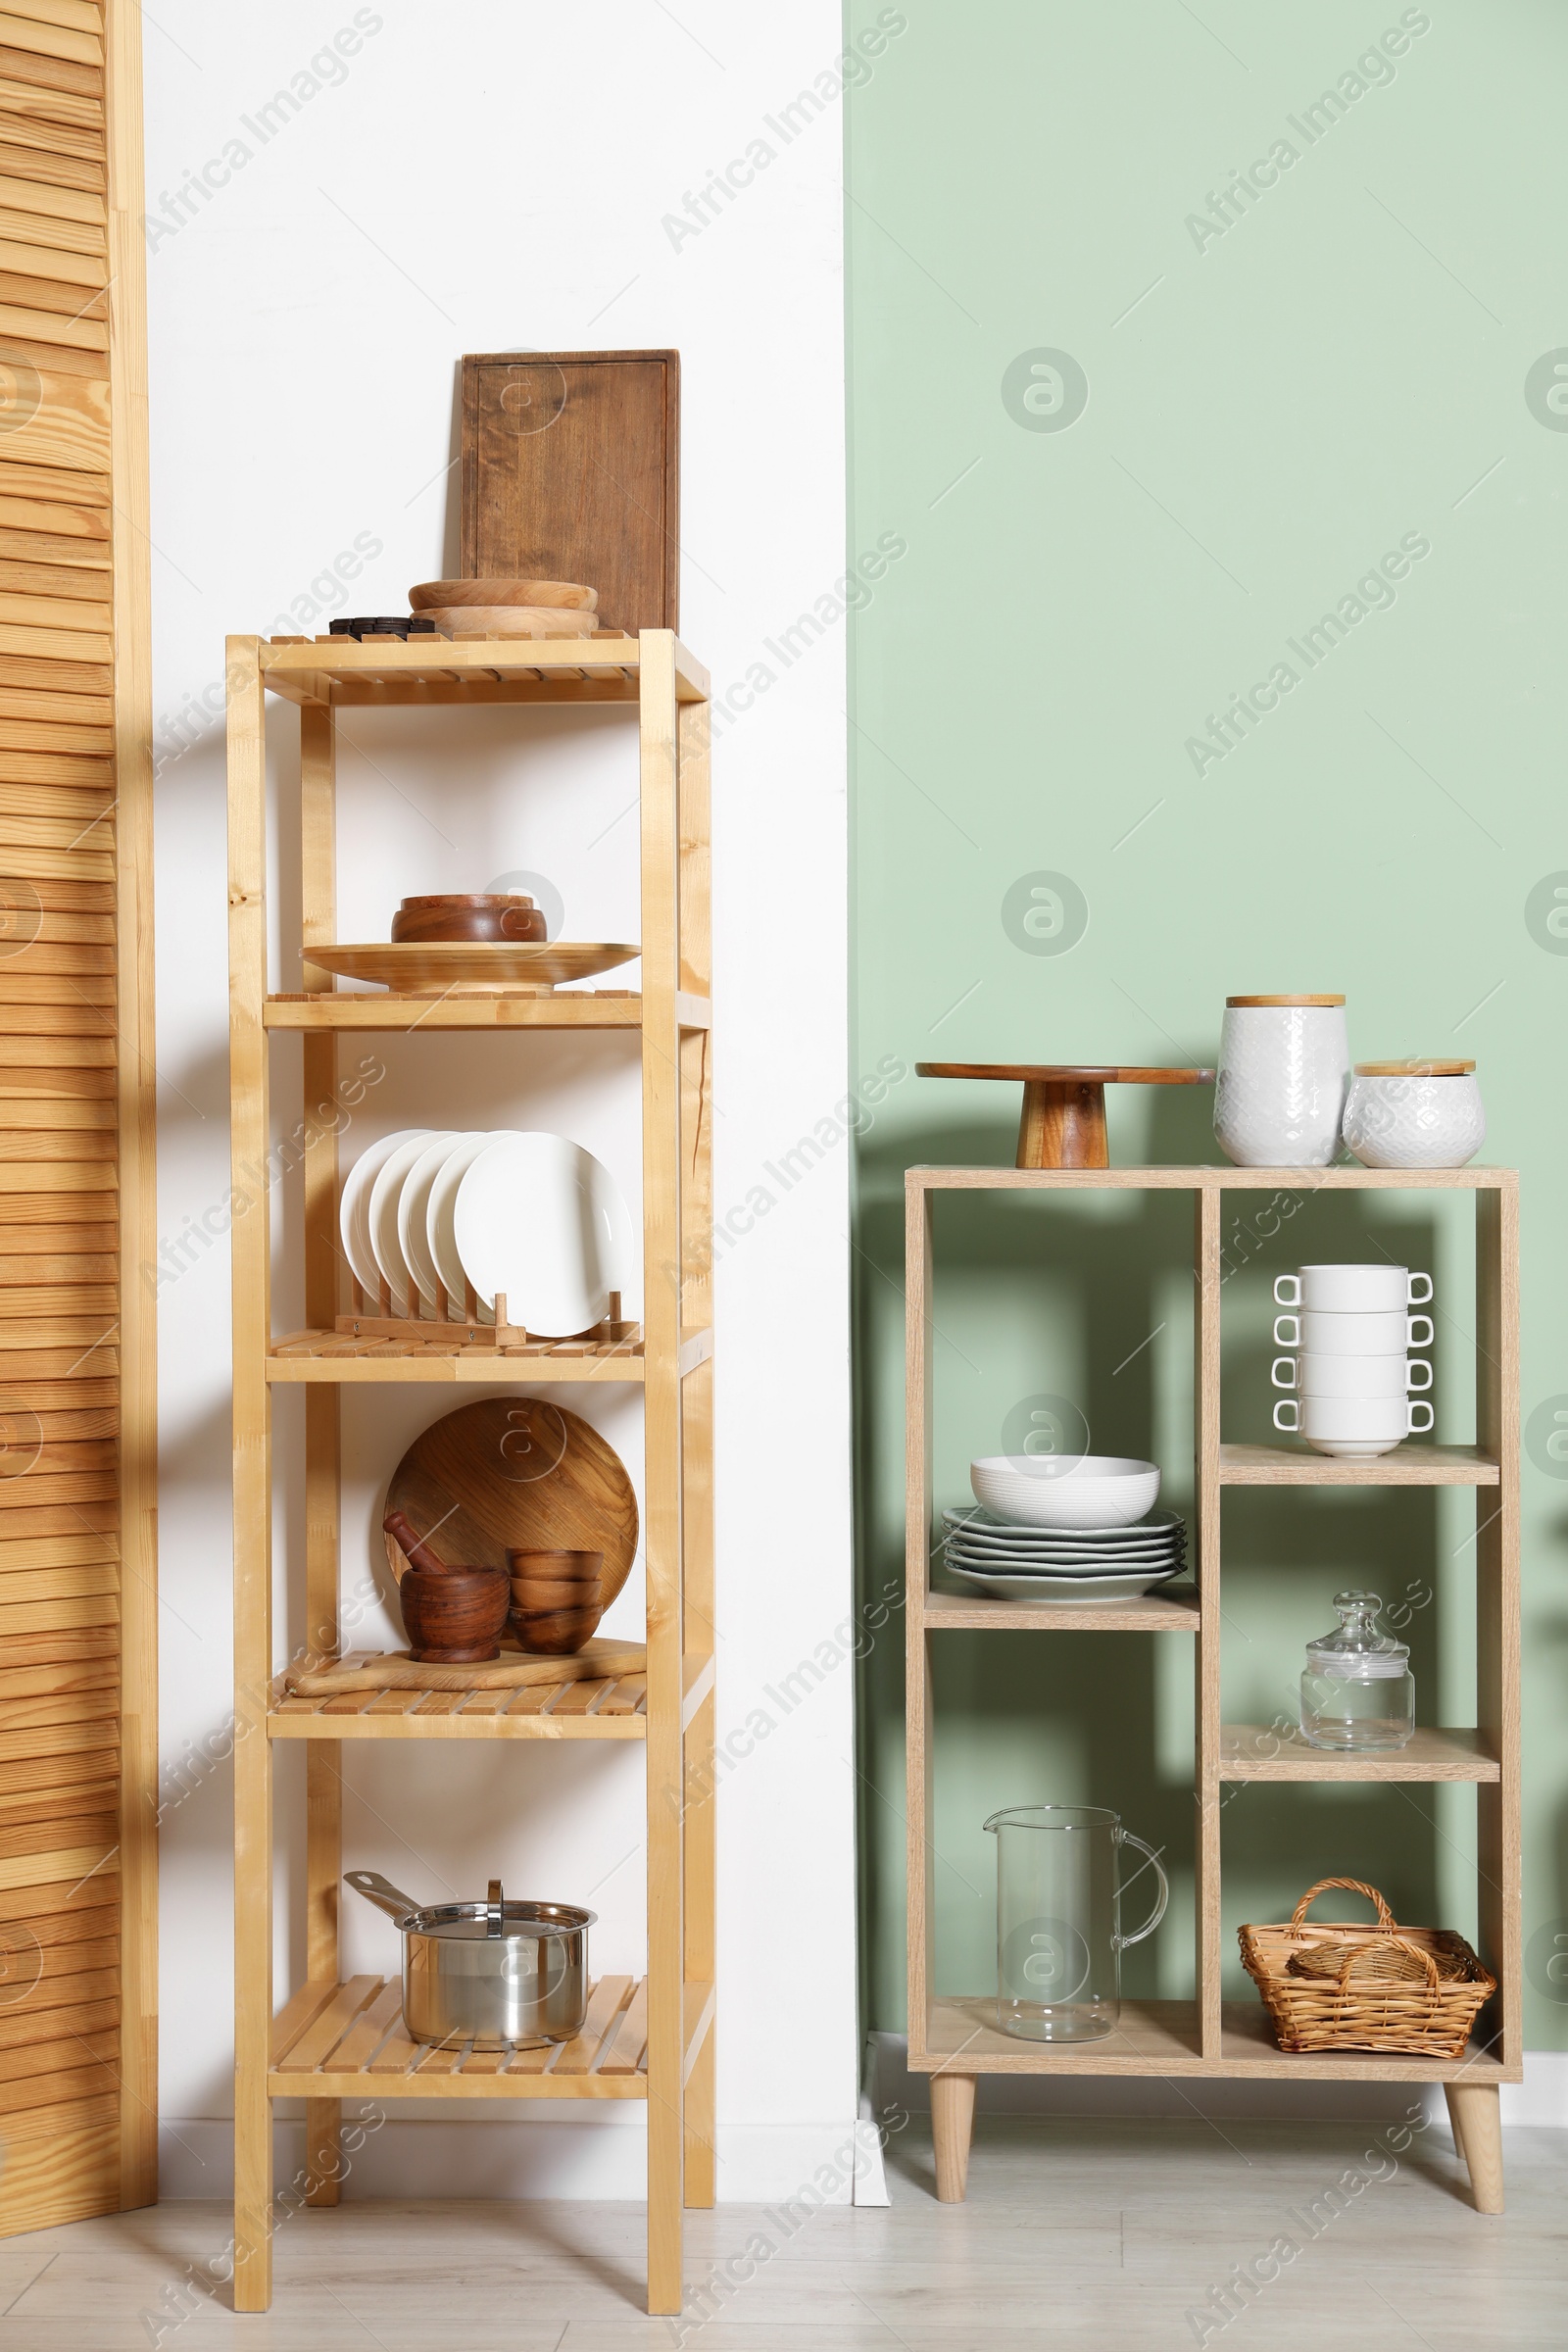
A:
x,y
443,967
517,1472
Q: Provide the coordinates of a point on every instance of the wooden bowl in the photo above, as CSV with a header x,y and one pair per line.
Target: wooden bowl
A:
x,y
555,1633
555,1567
443,594
455,1618
470,916
511,620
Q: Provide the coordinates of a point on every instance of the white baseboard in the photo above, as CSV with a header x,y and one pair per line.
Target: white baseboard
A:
x,y
1541,2099
558,2151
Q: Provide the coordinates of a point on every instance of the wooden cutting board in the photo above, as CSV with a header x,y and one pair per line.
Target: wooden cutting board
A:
x,y
396,1670
570,470
516,1471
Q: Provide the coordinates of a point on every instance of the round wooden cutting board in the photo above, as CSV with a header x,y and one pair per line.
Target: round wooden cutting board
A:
x,y
516,1471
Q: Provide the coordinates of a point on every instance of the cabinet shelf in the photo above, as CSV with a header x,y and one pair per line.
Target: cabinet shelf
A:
x,y
1161,2039
1256,1751
1173,1611
1408,1465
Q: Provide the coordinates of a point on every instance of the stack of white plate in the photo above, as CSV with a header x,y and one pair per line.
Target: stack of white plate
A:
x,y
1011,1561
531,1217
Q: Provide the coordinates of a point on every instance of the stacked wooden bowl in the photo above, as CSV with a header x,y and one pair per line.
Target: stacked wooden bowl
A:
x,y
506,608
554,1600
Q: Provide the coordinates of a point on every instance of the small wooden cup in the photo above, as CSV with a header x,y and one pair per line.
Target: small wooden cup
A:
x,y
455,1618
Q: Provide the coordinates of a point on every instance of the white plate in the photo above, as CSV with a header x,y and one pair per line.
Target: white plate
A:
x,y
1164,1526
354,1223
440,1213
381,1216
1070,1562
414,1211
541,1220
1068,1588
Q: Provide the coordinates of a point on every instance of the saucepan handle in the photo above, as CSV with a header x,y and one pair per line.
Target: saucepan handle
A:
x,y
495,1910
382,1893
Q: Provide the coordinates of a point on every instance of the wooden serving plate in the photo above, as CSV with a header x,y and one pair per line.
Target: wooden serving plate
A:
x,y
471,967
516,1473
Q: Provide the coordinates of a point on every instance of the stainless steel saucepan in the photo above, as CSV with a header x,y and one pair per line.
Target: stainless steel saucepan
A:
x,y
494,1971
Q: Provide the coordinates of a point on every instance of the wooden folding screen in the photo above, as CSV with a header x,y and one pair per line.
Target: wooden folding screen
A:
x,y
79,1758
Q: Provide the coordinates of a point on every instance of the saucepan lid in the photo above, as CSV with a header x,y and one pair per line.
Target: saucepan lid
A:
x,y
494,1919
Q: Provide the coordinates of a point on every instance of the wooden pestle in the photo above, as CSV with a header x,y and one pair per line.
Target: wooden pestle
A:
x,y
406,1536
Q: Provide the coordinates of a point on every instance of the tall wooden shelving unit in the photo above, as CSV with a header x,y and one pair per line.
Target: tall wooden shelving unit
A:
x,y
955,2037
653,2041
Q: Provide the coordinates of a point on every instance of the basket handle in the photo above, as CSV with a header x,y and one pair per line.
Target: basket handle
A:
x,y
1356,1886
1404,1946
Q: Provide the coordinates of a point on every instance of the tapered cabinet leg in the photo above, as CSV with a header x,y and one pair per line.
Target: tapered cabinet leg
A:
x,y
1477,2119
952,2128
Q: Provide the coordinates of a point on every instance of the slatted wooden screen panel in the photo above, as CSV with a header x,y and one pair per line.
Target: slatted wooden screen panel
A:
x,y
77,1801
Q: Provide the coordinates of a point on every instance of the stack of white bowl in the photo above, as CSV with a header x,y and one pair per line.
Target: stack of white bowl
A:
x,y
1349,1363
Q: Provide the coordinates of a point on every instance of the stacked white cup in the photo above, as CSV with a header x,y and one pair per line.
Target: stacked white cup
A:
x,y
1349,1364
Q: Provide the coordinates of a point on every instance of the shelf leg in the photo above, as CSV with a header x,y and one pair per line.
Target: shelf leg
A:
x,y
951,2128
253,1481
662,1532
1475,2115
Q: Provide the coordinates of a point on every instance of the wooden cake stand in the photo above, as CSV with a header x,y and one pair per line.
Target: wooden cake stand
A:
x,y
1063,1122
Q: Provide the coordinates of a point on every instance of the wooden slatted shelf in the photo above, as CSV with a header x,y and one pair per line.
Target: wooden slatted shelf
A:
x,y
348,2042
1257,1751
1161,2039
585,1008
614,1707
335,1355
337,670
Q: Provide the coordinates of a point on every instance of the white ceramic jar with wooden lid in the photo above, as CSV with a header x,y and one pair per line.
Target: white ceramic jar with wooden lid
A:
x,y
1283,1070
1414,1115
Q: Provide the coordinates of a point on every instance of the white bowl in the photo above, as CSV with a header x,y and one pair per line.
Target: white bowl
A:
x,y
1091,1490
1413,1122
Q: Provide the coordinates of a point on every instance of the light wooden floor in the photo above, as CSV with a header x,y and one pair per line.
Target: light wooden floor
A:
x,y
1075,2235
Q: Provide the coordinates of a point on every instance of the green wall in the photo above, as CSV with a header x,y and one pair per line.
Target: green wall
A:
x,y
1274,403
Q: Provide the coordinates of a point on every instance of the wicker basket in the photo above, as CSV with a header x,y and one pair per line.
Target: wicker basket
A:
x,y
1411,1990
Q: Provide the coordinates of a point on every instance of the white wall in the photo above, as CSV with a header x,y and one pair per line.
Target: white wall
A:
x,y
489,179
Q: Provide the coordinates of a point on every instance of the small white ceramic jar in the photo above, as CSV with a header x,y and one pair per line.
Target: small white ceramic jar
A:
x,y
1414,1115
1284,1066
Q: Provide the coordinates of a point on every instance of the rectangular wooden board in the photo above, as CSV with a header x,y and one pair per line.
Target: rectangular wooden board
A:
x,y
570,470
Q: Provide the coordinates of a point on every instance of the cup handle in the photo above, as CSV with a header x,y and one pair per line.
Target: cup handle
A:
x,y
1415,1298
1160,1899
1294,1338
1289,1362
1288,1404
1410,1322
1414,1405
1291,1283
1413,1365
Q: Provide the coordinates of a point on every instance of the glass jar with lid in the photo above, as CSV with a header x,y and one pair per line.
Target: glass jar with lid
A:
x,y
1357,1692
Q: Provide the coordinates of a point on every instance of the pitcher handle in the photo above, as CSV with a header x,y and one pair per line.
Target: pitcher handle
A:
x,y
1161,1900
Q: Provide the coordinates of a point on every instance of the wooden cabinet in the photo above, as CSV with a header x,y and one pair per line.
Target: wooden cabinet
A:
x,y
954,2036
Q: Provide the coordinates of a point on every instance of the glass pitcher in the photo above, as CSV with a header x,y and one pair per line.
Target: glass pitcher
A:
x,y
1059,1919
